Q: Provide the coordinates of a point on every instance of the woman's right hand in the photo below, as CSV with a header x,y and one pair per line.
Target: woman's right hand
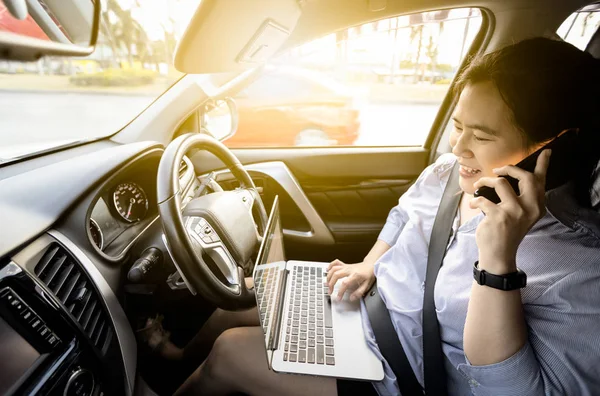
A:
x,y
359,278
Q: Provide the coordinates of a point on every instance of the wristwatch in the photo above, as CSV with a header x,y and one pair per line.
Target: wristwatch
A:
x,y
512,281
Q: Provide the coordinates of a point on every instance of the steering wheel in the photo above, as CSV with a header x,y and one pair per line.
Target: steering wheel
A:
x,y
211,238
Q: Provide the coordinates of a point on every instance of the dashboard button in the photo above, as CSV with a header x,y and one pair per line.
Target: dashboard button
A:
x,y
52,340
27,314
36,323
43,331
16,304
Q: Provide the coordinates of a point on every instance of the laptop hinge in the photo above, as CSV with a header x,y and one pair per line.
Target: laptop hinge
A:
x,y
273,343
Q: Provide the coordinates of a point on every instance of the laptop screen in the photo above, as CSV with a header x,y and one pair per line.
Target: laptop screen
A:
x,y
271,250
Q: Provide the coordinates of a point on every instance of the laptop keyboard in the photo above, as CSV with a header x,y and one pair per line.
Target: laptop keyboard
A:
x,y
265,283
309,327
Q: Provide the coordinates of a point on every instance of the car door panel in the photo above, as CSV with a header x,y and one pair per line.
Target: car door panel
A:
x,y
358,211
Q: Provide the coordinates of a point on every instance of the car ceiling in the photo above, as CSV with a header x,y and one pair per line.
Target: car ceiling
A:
x,y
514,19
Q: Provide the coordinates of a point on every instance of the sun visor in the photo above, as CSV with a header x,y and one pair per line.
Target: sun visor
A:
x,y
233,35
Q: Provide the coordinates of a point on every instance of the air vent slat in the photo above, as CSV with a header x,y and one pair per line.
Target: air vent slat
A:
x,y
41,266
92,323
102,336
60,282
84,304
68,289
76,296
63,275
85,318
55,266
97,331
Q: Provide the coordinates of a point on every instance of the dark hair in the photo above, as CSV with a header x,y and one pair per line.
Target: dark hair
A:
x,y
549,86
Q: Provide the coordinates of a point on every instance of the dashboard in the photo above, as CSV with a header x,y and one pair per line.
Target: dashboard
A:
x,y
125,205
63,326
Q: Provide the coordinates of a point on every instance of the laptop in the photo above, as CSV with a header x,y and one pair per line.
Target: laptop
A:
x,y
306,331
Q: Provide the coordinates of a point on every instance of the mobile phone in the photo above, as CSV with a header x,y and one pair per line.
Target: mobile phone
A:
x,y
560,169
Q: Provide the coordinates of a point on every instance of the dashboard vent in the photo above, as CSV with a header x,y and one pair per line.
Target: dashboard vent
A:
x,y
72,286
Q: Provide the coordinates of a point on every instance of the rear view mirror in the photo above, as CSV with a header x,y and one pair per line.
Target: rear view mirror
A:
x,y
219,119
30,29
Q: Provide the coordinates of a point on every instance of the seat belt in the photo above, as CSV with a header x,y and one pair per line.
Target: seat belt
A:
x,y
433,357
383,328
389,344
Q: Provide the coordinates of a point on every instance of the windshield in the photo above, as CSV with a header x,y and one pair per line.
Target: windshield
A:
x,y
57,101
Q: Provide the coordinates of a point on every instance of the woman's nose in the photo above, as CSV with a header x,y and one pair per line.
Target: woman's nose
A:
x,y
461,147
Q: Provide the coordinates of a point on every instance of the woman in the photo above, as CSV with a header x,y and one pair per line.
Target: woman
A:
x,y
538,340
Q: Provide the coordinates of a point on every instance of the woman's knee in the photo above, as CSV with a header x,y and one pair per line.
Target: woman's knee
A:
x,y
230,319
223,358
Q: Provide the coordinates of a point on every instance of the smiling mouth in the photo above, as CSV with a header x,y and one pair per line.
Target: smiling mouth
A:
x,y
470,171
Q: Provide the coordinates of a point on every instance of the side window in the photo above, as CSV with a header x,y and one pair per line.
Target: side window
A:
x,y
580,26
378,84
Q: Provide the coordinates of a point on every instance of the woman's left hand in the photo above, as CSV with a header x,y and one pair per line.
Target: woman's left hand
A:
x,y
505,225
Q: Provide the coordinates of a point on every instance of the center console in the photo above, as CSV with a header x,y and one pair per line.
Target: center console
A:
x,y
45,348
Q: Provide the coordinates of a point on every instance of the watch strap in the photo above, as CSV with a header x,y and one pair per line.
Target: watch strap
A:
x,y
511,281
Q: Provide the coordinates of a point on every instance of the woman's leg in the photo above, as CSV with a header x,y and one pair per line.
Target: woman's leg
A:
x,y
198,348
238,363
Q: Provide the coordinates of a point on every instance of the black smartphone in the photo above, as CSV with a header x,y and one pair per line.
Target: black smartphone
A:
x,y
559,170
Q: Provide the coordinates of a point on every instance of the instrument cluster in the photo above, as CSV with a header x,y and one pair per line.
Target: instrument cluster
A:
x,y
122,207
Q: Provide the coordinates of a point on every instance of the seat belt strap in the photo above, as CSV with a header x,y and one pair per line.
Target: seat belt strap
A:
x,y
433,356
379,316
389,344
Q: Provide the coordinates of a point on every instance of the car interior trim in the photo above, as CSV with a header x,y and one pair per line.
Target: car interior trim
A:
x,y
187,283
11,269
123,332
279,172
95,223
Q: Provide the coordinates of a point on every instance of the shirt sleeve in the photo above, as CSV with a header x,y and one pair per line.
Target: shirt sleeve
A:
x,y
435,174
563,345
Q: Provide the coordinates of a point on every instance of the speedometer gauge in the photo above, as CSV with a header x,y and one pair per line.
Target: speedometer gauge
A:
x,y
130,201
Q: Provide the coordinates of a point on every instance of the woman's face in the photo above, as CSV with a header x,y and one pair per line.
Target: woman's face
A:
x,y
483,138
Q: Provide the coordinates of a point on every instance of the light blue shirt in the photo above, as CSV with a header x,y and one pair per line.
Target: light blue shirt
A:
x,y
561,256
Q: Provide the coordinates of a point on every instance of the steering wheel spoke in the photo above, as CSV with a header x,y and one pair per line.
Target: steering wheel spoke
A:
x,y
253,201
210,243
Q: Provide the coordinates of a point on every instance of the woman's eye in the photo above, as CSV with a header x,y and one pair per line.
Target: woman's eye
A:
x,y
479,139
457,129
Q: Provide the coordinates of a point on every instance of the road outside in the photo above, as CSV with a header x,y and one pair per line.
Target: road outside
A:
x,y
40,116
